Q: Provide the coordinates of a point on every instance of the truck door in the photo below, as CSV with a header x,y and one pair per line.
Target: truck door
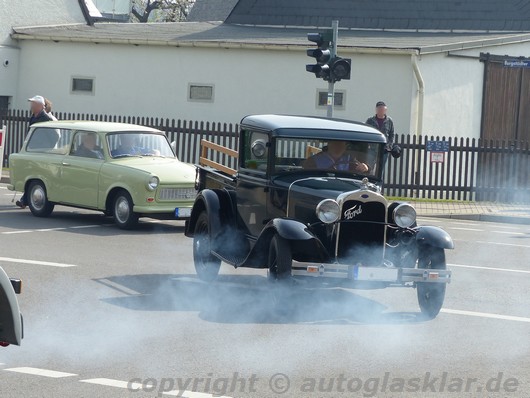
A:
x,y
252,182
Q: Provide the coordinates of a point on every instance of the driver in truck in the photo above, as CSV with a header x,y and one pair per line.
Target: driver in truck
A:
x,y
336,157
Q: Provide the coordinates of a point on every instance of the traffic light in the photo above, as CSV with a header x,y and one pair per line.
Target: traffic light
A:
x,y
322,55
328,67
340,69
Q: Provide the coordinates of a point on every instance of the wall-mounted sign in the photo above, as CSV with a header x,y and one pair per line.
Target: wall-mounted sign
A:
x,y
437,157
516,63
437,146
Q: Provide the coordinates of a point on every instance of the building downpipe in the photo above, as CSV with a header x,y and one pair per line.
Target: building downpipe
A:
x,y
421,94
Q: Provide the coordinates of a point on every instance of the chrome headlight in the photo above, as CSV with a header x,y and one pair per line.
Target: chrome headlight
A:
x,y
153,182
328,211
259,148
405,215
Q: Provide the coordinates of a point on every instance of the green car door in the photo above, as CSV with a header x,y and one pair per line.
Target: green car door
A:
x,y
80,171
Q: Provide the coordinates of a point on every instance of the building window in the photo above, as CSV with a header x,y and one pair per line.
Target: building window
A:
x,y
200,92
322,99
83,85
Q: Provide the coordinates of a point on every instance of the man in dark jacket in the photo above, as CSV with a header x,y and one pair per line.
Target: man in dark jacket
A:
x,y
38,114
382,122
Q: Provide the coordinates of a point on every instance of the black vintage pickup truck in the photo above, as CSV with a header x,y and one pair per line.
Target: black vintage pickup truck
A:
x,y
305,202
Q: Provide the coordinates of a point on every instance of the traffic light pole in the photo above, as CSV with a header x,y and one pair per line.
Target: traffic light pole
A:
x,y
331,84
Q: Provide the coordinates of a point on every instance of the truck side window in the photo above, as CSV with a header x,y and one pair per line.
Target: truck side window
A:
x,y
256,151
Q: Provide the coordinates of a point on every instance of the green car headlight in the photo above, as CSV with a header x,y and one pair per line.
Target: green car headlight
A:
x,y
405,215
153,182
328,211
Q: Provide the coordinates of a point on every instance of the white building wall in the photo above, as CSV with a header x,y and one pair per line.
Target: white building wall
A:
x,y
153,81
454,89
9,66
453,95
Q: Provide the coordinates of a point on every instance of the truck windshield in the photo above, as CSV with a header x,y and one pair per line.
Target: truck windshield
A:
x,y
137,143
353,157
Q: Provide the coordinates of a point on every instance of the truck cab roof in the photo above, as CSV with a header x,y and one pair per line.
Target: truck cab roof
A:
x,y
312,127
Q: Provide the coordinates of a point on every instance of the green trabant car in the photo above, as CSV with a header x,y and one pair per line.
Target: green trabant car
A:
x,y
126,171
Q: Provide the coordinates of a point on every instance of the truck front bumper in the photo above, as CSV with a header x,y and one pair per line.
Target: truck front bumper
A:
x,y
359,273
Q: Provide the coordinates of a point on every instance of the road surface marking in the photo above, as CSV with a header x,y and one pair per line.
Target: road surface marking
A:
x,y
50,229
113,383
138,387
41,372
489,268
85,226
504,244
469,224
486,315
467,229
118,287
35,262
507,227
509,232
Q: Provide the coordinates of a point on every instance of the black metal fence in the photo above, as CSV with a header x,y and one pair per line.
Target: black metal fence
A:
x,y
457,169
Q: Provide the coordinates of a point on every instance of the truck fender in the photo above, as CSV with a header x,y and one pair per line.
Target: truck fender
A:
x,y
218,206
434,236
303,242
10,318
289,229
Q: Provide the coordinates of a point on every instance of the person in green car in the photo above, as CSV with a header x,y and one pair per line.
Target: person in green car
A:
x,y
129,147
88,147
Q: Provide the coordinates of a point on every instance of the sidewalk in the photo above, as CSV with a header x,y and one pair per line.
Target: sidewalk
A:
x,y
479,211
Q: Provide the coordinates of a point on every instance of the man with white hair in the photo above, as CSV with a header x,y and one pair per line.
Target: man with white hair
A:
x,y
38,111
38,114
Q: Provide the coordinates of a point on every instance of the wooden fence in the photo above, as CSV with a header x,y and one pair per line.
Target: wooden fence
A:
x,y
467,169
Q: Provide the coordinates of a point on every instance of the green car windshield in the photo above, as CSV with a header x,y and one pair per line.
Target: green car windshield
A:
x,y
132,143
355,157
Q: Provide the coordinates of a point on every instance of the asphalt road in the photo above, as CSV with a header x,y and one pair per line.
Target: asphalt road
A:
x,y
120,314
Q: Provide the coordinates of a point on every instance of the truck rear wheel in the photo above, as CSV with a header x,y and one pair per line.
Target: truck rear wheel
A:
x,y
206,265
280,258
431,295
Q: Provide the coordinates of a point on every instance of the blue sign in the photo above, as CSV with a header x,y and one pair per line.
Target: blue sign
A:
x,y
516,63
437,146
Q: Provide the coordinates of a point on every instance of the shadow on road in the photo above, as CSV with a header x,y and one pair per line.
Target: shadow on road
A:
x,y
249,299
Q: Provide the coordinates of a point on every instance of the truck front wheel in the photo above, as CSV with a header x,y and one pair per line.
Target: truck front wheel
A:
x,y
431,295
206,265
280,259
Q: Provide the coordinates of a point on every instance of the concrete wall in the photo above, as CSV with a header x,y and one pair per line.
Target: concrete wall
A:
x,y
144,80
9,67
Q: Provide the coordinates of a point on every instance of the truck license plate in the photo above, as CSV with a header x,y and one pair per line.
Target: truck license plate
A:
x,y
375,274
182,212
